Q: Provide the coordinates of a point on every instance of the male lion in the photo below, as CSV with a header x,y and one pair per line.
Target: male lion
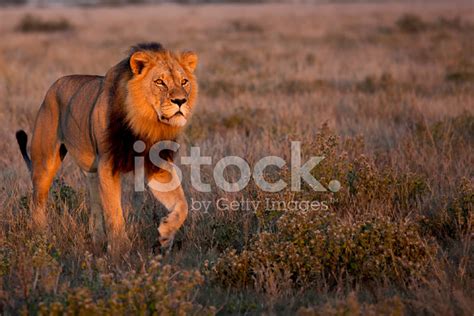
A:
x,y
148,96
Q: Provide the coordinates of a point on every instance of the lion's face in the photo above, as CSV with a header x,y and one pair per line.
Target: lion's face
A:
x,y
163,87
170,89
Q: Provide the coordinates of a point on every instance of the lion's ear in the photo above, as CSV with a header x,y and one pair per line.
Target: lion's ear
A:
x,y
138,61
189,60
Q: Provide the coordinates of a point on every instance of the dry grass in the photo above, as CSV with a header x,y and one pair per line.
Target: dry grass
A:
x,y
385,92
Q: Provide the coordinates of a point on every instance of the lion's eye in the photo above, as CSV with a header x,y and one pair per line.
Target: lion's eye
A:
x,y
184,82
160,82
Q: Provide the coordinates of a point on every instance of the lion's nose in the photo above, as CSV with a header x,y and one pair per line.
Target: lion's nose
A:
x,y
179,102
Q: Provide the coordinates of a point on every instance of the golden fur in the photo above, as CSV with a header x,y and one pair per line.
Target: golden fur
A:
x,y
170,68
148,96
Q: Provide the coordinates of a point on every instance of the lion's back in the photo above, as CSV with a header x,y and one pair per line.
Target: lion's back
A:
x,y
76,87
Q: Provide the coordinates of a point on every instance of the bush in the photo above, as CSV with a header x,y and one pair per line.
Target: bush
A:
x,y
31,23
157,290
411,23
308,247
363,181
64,196
373,84
246,26
35,281
455,220
460,76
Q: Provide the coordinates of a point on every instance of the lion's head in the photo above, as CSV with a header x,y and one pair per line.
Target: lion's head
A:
x,y
162,89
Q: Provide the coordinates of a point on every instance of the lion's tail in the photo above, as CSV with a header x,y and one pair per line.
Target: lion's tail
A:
x,y
22,139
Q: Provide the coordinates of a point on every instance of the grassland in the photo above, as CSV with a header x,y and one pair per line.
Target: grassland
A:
x,y
384,92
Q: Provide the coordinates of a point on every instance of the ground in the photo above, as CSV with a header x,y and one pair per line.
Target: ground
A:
x,y
385,92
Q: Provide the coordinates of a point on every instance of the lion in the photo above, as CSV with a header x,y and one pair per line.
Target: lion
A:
x,y
148,96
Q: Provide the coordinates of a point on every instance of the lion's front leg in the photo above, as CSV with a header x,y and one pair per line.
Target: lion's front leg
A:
x,y
166,188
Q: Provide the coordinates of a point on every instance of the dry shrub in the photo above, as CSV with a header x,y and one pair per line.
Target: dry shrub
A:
x,y
303,248
64,196
364,182
463,72
460,76
31,23
30,264
157,289
368,184
228,230
246,26
411,23
372,84
308,247
454,221
455,23
54,273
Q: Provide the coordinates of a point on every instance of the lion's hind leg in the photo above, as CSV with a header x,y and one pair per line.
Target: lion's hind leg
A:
x,y
45,164
45,157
